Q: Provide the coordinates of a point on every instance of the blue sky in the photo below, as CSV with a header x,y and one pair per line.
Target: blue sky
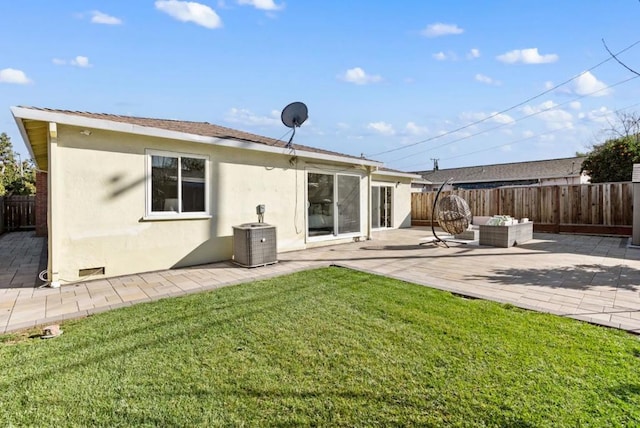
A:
x,y
401,82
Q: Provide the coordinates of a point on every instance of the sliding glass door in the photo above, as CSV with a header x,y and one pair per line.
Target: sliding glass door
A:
x,y
320,204
348,204
333,204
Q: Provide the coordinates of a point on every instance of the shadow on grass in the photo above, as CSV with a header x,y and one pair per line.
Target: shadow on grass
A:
x,y
625,391
160,329
578,277
410,403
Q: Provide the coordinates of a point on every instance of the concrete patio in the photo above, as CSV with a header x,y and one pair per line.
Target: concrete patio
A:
x,y
589,278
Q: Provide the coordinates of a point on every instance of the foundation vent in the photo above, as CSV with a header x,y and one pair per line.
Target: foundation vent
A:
x,y
91,271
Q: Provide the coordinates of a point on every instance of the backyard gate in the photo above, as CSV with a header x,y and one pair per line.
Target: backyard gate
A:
x,y
17,212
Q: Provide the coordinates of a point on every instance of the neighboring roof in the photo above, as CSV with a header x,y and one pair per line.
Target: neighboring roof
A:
x,y
33,124
534,170
395,173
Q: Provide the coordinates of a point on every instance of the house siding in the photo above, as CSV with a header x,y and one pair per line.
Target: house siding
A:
x,y
101,203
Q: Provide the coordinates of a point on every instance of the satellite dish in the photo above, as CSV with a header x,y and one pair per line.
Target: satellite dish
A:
x,y
293,116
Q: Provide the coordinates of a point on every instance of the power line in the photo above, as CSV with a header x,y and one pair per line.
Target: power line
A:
x,y
466,137
553,131
426,140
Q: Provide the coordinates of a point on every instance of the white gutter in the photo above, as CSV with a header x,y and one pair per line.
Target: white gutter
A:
x,y
369,203
398,174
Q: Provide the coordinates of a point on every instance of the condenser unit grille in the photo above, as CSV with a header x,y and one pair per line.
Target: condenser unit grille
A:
x,y
254,244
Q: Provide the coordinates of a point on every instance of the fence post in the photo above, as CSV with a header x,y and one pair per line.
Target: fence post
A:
x,y
1,215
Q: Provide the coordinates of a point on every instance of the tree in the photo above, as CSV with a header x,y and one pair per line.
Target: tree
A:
x,y
613,160
17,177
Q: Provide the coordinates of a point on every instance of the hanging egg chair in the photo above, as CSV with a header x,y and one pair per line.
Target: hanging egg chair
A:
x,y
453,214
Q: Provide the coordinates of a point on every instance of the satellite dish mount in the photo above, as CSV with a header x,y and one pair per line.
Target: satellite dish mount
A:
x,y
293,116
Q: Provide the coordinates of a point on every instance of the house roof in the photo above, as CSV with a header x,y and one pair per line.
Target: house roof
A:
x,y
534,170
34,126
384,171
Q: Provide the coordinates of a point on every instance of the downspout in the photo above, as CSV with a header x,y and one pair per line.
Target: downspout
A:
x,y
53,215
370,171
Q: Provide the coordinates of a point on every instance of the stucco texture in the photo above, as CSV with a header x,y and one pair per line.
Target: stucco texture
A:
x,y
100,192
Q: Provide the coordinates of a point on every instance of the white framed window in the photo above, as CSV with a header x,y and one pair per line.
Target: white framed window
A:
x,y
177,185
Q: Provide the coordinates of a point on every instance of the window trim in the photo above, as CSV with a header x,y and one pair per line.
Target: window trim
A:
x,y
172,215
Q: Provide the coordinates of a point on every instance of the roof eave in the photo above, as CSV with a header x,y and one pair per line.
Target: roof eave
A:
x,y
398,174
25,136
489,180
109,125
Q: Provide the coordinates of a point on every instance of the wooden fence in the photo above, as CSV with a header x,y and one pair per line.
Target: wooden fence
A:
x,y
603,208
17,212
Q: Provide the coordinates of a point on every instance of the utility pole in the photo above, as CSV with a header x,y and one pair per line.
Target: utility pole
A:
x,y
435,164
21,169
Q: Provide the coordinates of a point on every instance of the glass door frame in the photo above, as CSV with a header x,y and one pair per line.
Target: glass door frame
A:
x,y
335,209
387,200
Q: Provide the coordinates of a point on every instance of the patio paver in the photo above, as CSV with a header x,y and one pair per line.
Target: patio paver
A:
x,y
590,278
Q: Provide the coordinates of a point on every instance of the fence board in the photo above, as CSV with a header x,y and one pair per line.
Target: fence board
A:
x,y
598,207
19,212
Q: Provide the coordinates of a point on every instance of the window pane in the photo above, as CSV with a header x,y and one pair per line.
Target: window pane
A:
x,y
348,204
193,185
320,212
164,183
387,208
375,207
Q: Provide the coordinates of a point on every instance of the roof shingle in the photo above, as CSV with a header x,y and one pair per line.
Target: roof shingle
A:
x,y
534,170
204,129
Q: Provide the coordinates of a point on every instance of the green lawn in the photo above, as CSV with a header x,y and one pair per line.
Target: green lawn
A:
x,y
329,347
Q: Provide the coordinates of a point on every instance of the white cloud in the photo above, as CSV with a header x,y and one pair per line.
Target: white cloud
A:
x,y
501,118
440,56
439,29
553,117
487,80
248,118
11,75
188,11
588,84
603,115
575,105
262,4
473,53
526,56
381,128
358,76
528,133
413,129
98,17
80,61
496,117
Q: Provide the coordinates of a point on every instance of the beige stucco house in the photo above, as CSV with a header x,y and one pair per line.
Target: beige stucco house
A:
x,y
128,194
